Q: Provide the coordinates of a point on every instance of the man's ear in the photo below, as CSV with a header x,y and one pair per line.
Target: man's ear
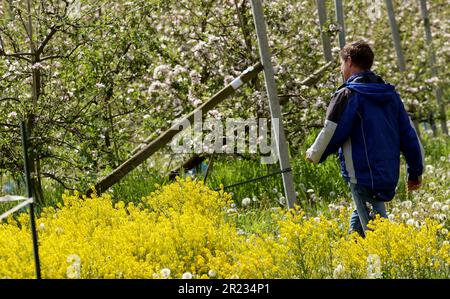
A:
x,y
350,62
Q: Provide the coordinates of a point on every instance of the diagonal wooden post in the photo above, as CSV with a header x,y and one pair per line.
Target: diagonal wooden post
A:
x,y
274,104
149,149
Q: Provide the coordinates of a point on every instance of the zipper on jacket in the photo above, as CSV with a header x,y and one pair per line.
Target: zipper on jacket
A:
x,y
365,148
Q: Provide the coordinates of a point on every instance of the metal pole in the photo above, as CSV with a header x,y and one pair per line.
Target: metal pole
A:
x,y
208,169
321,9
29,194
397,44
274,104
340,21
432,61
395,35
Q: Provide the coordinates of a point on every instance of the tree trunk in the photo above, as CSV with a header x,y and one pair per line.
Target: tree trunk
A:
x,y
34,160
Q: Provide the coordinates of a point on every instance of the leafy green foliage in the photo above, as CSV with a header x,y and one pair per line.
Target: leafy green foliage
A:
x,y
118,72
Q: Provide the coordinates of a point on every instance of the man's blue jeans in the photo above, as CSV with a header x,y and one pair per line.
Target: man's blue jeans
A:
x,y
367,206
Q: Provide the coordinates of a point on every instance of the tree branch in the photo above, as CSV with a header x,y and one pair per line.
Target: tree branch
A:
x,y
10,99
9,125
17,55
55,178
53,30
61,56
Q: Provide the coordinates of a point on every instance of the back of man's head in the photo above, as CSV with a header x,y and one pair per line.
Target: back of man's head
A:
x,y
360,53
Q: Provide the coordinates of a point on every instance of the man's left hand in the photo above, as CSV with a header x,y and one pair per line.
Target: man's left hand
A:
x,y
413,185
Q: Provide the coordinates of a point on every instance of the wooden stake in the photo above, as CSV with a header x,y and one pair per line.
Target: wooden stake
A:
x,y
145,152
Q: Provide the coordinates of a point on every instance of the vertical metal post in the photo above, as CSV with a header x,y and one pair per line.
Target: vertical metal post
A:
x,y
432,61
321,9
208,169
30,194
398,46
274,104
340,21
395,35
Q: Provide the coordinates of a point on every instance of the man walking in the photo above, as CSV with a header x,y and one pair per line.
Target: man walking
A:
x,y
367,124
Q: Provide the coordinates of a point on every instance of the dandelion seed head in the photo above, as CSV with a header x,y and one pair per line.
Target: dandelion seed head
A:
x,y
165,273
436,205
374,266
212,273
338,271
407,204
231,211
246,201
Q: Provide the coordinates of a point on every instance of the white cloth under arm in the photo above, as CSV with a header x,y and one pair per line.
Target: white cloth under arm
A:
x,y
315,152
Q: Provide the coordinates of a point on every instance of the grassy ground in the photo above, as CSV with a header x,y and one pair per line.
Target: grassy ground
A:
x,y
317,186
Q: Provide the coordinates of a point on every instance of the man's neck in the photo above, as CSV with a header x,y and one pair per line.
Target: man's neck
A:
x,y
356,73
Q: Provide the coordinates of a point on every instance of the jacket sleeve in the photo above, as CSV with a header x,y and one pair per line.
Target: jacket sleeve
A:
x,y
410,145
338,125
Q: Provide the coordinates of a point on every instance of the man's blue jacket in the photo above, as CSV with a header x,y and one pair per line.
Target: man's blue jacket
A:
x,y
367,124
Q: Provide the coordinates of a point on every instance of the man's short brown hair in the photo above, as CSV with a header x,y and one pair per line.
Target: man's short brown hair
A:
x,y
360,53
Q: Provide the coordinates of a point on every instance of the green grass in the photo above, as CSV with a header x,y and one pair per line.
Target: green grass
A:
x,y
323,181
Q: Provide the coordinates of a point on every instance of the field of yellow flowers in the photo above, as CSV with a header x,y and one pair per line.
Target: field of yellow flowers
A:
x,y
186,230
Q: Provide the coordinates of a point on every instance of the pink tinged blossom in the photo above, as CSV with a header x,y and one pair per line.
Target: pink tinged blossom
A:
x,y
432,80
195,77
37,66
161,71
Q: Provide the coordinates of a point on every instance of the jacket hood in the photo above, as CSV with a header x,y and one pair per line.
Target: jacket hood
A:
x,y
380,92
